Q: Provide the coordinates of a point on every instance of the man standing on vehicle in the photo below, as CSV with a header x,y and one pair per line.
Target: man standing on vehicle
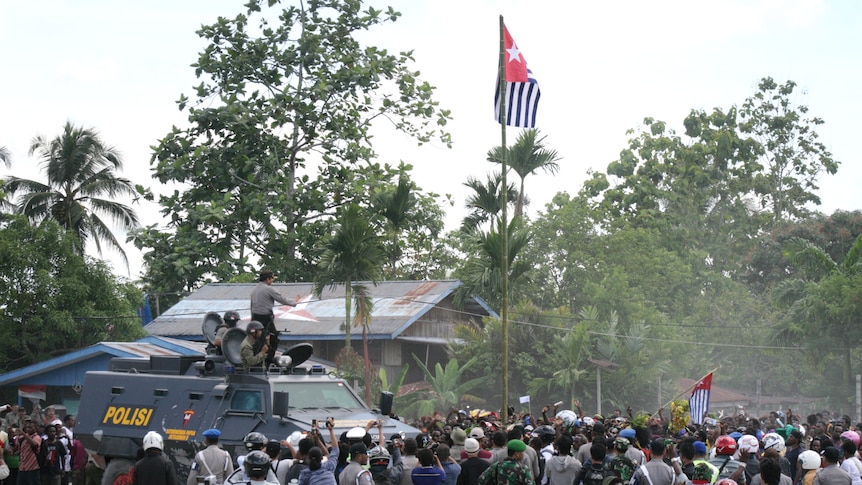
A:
x,y
211,461
263,297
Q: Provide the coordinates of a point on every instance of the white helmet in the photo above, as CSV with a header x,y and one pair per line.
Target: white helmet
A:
x,y
295,437
773,441
356,432
748,443
153,440
568,416
810,460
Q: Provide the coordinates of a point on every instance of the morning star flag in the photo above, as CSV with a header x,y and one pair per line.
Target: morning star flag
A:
x,y
522,90
699,401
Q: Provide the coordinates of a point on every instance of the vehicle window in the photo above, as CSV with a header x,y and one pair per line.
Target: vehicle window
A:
x,y
247,400
332,394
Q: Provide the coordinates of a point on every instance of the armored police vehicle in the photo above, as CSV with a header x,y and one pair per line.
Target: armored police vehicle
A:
x,y
182,396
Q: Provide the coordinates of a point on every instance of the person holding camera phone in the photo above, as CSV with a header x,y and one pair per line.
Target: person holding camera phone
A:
x,y
321,472
429,471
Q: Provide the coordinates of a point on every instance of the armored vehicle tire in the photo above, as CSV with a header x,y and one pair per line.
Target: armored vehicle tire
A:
x,y
117,468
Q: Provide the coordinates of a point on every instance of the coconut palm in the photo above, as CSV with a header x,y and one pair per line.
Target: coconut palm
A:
x,y
527,155
351,253
82,182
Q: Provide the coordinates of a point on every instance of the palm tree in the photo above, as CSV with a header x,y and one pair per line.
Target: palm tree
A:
x,y
821,301
397,206
352,253
5,159
82,180
485,203
483,273
527,155
364,309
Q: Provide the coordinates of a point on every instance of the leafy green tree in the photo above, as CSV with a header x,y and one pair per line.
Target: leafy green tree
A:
x,y
694,190
569,353
54,300
767,266
525,157
793,157
823,303
448,388
533,348
82,181
279,134
353,252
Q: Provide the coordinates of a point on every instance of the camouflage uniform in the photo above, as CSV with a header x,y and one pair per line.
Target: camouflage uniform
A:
x,y
507,472
249,358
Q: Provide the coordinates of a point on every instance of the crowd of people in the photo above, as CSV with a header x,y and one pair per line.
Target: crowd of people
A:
x,y
39,448
476,448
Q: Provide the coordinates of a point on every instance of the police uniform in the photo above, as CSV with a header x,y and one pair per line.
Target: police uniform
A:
x,y
211,461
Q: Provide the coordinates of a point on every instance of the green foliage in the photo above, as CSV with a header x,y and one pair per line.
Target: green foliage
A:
x,y
411,223
822,305
525,157
353,252
279,138
81,171
447,388
793,158
54,300
485,203
482,273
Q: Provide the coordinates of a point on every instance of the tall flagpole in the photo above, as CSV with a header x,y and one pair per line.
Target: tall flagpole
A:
x,y
504,282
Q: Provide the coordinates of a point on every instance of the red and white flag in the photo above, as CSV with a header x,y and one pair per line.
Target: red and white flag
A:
x,y
522,90
32,391
698,403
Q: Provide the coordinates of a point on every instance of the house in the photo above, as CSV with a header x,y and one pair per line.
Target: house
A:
x,y
59,380
408,317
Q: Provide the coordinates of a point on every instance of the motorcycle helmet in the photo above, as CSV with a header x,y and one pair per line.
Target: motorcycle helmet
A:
x,y
153,440
254,441
256,464
725,445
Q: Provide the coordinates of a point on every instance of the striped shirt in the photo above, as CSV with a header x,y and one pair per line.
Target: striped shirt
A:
x,y
29,462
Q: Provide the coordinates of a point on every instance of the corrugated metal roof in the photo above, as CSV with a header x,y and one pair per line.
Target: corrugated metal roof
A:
x,y
142,348
397,304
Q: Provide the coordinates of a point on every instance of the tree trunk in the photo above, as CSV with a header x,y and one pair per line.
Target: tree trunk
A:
x,y
367,364
348,296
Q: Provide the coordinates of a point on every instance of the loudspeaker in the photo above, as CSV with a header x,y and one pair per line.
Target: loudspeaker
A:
x,y
231,343
280,403
211,322
386,399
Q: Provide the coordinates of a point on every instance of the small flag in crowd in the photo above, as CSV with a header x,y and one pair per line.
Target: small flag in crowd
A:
x,y
699,401
525,399
522,91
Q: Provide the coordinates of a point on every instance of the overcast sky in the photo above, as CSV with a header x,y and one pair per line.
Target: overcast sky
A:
x,y
119,66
